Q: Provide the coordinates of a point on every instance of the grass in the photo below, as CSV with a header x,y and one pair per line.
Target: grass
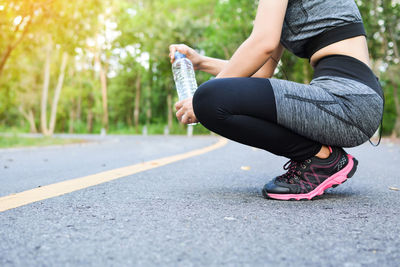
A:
x,y
16,141
159,128
10,135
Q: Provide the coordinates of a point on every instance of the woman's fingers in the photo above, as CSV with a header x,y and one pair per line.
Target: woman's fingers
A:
x,y
179,105
172,49
189,117
187,103
185,113
179,114
186,117
181,109
181,48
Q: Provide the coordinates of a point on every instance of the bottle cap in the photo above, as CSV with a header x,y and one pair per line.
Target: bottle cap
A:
x,y
179,55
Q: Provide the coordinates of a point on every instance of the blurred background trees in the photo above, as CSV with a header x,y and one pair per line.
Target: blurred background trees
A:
x,y
80,66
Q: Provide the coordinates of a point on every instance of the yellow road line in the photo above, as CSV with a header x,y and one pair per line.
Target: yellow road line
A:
x,y
53,190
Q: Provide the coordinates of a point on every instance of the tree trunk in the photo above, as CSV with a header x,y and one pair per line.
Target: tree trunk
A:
x,y
45,91
306,73
103,81
30,118
89,121
79,108
170,115
104,98
396,129
148,98
137,104
148,107
71,121
57,93
226,53
14,43
129,119
78,85
4,58
89,118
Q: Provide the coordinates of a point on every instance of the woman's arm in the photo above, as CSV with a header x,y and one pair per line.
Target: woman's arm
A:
x,y
214,65
203,63
264,40
267,71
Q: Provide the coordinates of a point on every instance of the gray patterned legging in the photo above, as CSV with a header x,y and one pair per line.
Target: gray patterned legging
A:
x,y
291,119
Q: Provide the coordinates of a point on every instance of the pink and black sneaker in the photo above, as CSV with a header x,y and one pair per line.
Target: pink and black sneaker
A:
x,y
310,178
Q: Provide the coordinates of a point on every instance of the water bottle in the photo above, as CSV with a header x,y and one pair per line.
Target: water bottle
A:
x,y
184,77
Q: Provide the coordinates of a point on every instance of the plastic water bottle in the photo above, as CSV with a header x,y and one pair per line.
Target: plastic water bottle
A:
x,y
185,79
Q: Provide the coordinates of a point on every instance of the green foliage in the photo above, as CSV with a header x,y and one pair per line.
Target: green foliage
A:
x,y
230,25
389,117
18,141
131,38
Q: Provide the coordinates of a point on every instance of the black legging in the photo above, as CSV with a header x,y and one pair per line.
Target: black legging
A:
x,y
243,109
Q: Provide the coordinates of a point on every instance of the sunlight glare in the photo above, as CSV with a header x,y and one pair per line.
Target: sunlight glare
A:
x,y
17,20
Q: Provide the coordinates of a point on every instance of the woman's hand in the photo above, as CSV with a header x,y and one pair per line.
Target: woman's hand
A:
x,y
190,53
185,113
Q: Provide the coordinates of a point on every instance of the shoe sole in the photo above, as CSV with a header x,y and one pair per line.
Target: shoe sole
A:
x,y
333,181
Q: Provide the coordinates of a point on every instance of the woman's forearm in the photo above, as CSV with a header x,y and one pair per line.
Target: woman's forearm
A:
x,y
267,71
212,65
247,60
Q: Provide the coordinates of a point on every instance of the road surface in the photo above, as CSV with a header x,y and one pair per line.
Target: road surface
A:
x,y
206,210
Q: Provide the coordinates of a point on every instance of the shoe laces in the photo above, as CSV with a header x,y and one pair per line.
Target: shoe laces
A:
x,y
293,171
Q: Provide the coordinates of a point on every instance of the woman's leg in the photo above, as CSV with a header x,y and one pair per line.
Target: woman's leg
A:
x,y
243,109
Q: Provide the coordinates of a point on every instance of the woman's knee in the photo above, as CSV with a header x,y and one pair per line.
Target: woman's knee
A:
x,y
205,100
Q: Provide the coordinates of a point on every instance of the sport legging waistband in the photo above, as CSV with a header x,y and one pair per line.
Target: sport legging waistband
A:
x,y
347,67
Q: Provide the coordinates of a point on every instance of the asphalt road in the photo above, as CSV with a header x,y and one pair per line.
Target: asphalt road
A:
x,y
203,211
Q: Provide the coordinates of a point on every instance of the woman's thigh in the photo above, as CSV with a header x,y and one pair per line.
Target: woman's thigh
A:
x,y
331,110
237,96
244,110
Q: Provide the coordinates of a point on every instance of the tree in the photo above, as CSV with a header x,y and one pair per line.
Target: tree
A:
x,y
52,52
51,19
381,19
15,22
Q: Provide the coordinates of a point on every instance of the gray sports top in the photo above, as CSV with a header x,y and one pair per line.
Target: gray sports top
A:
x,y
313,24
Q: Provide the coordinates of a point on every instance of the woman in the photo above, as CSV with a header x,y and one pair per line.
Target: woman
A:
x,y
307,123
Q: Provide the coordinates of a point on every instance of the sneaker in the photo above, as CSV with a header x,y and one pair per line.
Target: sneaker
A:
x,y
310,178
